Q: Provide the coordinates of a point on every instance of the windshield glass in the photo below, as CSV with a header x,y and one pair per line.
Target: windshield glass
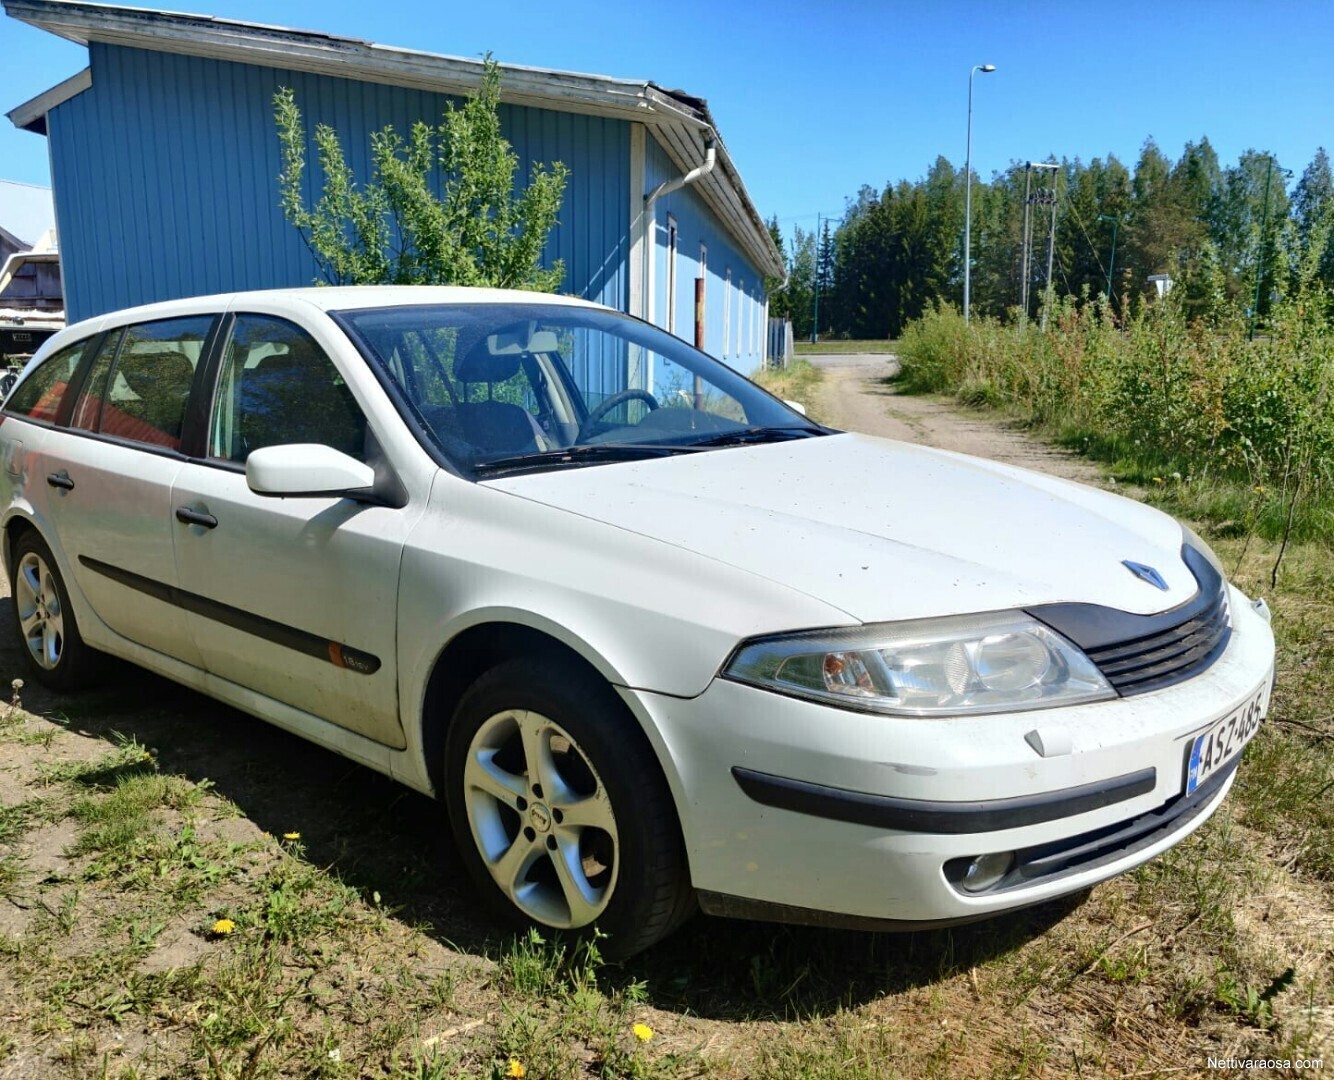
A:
x,y
516,387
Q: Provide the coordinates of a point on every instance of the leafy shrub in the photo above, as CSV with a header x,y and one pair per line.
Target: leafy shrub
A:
x,y
1163,397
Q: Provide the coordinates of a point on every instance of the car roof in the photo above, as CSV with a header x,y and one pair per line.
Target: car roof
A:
x,y
320,297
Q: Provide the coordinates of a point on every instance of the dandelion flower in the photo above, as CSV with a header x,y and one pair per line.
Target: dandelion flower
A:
x,y
642,1032
224,927
291,836
1259,489
516,1069
1157,479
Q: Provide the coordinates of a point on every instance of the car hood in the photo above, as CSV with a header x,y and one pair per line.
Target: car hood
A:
x,y
885,530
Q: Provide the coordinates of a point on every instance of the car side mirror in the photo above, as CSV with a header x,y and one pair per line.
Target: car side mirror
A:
x,y
796,405
307,469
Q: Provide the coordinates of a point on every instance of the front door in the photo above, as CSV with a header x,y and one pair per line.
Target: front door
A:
x,y
294,598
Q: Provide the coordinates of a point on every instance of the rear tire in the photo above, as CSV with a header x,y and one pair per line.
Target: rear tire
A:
x,y
559,810
44,620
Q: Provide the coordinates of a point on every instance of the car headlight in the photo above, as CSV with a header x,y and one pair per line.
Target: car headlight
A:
x,y
959,665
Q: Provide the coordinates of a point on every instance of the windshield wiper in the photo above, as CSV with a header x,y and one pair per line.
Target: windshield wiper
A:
x,y
758,435
597,453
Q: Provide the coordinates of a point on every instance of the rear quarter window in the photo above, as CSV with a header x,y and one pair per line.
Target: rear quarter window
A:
x,y
39,396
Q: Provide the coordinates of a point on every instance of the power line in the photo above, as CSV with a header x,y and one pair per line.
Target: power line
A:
x,y
1102,269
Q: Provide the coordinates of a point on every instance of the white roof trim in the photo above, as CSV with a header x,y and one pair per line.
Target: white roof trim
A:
x,y
681,122
31,115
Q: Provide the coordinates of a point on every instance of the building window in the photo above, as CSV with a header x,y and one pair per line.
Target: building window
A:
x,y
756,339
727,311
750,326
671,274
740,316
701,315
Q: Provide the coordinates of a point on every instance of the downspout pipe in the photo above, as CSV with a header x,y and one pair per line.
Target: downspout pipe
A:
x,y
668,186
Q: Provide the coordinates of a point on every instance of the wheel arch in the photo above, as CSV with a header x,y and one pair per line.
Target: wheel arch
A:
x,y
15,526
480,646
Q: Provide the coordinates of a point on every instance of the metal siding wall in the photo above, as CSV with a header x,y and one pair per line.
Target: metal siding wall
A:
x,y
166,169
695,222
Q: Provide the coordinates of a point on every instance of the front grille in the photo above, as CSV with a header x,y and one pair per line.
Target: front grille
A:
x,y
1139,653
1175,654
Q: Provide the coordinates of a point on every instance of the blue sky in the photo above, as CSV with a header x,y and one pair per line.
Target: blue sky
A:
x,y
816,99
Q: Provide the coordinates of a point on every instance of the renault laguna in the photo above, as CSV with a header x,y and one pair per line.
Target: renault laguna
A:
x,y
653,638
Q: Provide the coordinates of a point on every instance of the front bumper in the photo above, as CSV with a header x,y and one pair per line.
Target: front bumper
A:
x,y
759,780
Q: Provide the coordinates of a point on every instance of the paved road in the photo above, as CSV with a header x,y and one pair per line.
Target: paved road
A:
x,y
857,394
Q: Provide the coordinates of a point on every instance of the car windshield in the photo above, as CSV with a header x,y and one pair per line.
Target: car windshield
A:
x,y
503,388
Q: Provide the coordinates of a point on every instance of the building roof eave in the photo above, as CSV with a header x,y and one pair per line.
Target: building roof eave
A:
x,y
682,121
31,115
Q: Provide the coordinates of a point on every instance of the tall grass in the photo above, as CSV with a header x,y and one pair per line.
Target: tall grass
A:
x,y
1238,432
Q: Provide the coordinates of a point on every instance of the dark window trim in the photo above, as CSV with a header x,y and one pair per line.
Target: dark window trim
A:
x,y
128,444
194,428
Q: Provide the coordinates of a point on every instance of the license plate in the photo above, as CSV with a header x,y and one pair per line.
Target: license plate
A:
x,y
1224,740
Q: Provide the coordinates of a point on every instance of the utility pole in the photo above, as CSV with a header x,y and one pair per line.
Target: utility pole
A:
x,y
1023,262
1051,246
1032,198
1115,219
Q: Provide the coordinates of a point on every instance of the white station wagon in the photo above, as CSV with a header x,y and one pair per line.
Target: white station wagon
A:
x,y
653,638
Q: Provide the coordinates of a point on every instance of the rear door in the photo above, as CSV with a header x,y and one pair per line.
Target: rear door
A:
x,y
111,473
294,598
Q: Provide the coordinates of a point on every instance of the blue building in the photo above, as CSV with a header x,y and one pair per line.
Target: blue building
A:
x,y
164,158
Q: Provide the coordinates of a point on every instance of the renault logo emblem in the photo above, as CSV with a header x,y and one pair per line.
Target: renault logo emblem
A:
x,y
1145,573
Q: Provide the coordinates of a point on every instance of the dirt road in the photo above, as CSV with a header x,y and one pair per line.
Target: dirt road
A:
x,y
856,395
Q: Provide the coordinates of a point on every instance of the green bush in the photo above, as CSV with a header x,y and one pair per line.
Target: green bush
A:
x,y
1185,406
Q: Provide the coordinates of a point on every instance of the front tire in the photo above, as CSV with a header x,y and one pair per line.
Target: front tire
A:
x,y
44,620
559,810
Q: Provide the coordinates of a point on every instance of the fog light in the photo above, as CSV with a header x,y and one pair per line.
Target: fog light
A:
x,y
984,871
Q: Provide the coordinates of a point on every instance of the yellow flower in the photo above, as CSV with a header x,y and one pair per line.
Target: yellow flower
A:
x,y
291,836
516,1069
224,927
1157,479
1259,489
642,1032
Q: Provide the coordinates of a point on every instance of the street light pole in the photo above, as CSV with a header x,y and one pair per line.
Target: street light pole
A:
x,y
986,69
1111,261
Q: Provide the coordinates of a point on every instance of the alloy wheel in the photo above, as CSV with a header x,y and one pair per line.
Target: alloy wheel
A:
x,y
541,819
41,617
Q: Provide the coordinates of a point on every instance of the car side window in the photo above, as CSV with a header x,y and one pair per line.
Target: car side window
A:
x,y
143,386
88,411
39,397
277,387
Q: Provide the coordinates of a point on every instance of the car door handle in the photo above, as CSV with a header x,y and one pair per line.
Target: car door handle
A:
x,y
186,516
60,480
